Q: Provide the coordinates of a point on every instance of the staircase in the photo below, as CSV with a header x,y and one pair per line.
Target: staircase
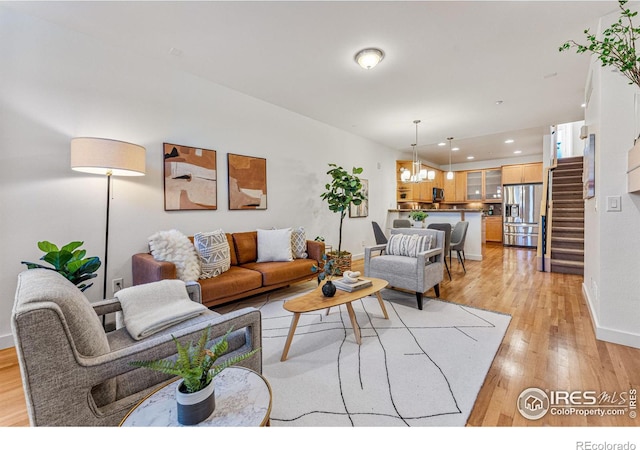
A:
x,y
567,229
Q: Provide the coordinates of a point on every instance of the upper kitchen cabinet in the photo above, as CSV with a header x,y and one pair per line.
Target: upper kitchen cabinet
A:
x,y
484,185
455,190
522,173
493,185
474,185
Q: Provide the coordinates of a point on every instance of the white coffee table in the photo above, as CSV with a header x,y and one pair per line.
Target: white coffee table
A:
x,y
243,399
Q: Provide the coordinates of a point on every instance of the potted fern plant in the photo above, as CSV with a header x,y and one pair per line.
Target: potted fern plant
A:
x,y
344,189
195,394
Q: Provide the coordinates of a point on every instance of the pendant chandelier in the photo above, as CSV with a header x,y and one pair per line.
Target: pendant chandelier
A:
x,y
450,173
416,174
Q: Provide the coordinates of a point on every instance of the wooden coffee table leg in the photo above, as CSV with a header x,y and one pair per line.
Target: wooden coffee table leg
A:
x,y
292,331
354,323
384,310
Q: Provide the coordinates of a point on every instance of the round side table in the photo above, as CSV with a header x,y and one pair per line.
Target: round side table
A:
x,y
243,399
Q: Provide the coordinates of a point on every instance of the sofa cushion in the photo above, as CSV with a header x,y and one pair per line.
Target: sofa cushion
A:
x,y
278,272
274,245
213,252
234,281
246,244
175,247
299,243
232,250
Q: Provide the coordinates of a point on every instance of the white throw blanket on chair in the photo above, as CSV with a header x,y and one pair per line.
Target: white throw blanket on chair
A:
x,y
152,307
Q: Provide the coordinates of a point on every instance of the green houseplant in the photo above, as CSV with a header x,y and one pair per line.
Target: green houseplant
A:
x,y
195,364
617,47
344,189
69,261
418,216
327,271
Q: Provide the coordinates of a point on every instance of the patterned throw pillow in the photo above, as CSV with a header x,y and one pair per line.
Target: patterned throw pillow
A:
x,y
213,252
299,243
175,247
408,244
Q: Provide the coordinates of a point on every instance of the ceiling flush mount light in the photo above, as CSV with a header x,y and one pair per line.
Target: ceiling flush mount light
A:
x,y
416,174
450,173
509,141
369,57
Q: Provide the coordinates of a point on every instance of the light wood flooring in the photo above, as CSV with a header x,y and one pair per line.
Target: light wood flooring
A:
x,y
550,343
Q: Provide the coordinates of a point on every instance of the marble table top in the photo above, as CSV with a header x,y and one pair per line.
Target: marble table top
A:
x,y
243,398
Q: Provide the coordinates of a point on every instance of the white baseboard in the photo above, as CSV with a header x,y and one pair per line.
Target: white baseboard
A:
x,y
6,341
609,334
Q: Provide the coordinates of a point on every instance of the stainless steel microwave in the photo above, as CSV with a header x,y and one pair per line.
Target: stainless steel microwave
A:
x,y
438,195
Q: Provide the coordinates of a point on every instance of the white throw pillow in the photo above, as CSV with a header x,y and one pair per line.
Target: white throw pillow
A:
x,y
213,252
299,243
408,244
175,247
274,245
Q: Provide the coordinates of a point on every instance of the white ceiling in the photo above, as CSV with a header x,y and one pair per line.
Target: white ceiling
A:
x,y
447,63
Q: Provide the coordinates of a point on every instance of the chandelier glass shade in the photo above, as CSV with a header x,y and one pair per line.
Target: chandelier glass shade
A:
x,y
450,173
417,173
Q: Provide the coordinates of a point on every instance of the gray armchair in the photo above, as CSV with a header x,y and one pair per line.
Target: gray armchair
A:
x,y
76,374
418,274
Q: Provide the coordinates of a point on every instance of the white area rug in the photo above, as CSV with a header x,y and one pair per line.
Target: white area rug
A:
x,y
419,368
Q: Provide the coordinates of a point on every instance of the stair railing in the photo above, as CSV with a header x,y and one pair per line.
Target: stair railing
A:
x,y
544,236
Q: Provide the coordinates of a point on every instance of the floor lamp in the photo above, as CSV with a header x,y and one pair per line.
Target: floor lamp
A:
x,y
111,158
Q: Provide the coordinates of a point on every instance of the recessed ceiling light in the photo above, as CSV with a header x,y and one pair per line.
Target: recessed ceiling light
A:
x,y
455,149
368,58
584,105
441,144
470,157
517,152
509,141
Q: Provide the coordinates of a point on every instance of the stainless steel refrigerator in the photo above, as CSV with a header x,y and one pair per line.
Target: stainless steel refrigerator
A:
x,y
521,211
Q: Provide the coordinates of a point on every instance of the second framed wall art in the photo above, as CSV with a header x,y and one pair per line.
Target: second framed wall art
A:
x,y
247,182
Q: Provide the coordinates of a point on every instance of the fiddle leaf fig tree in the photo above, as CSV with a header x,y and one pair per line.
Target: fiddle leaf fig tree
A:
x,y
617,47
69,261
344,189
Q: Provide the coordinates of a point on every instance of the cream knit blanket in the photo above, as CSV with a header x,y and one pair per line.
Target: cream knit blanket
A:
x,y
152,307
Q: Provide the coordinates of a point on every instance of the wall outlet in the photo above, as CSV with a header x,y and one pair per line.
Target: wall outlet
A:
x,y
117,284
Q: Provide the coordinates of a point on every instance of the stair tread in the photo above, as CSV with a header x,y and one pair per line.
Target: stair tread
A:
x,y
567,262
566,239
573,251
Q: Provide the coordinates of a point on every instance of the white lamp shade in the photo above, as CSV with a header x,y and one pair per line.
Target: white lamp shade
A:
x,y
107,157
449,175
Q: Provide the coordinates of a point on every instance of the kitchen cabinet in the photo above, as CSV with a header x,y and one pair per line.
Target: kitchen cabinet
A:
x,y
455,190
494,228
484,185
474,185
522,173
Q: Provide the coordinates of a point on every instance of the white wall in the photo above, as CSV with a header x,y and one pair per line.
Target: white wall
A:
x,y
58,84
611,281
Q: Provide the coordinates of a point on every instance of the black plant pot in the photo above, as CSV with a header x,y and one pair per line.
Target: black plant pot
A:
x,y
329,289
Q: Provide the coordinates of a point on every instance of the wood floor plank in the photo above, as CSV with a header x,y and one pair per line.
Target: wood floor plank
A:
x,y
550,343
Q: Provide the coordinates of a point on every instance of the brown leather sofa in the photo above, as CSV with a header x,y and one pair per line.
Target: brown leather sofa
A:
x,y
244,278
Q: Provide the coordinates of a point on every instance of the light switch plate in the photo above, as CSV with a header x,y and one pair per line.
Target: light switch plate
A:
x,y
614,203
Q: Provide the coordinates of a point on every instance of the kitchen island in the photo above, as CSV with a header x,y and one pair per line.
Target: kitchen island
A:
x,y
475,217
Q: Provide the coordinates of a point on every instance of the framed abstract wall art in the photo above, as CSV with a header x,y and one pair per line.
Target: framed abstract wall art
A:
x,y
361,210
247,182
190,178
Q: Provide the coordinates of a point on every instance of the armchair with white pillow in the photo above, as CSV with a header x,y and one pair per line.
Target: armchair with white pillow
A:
x,y
76,374
413,260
